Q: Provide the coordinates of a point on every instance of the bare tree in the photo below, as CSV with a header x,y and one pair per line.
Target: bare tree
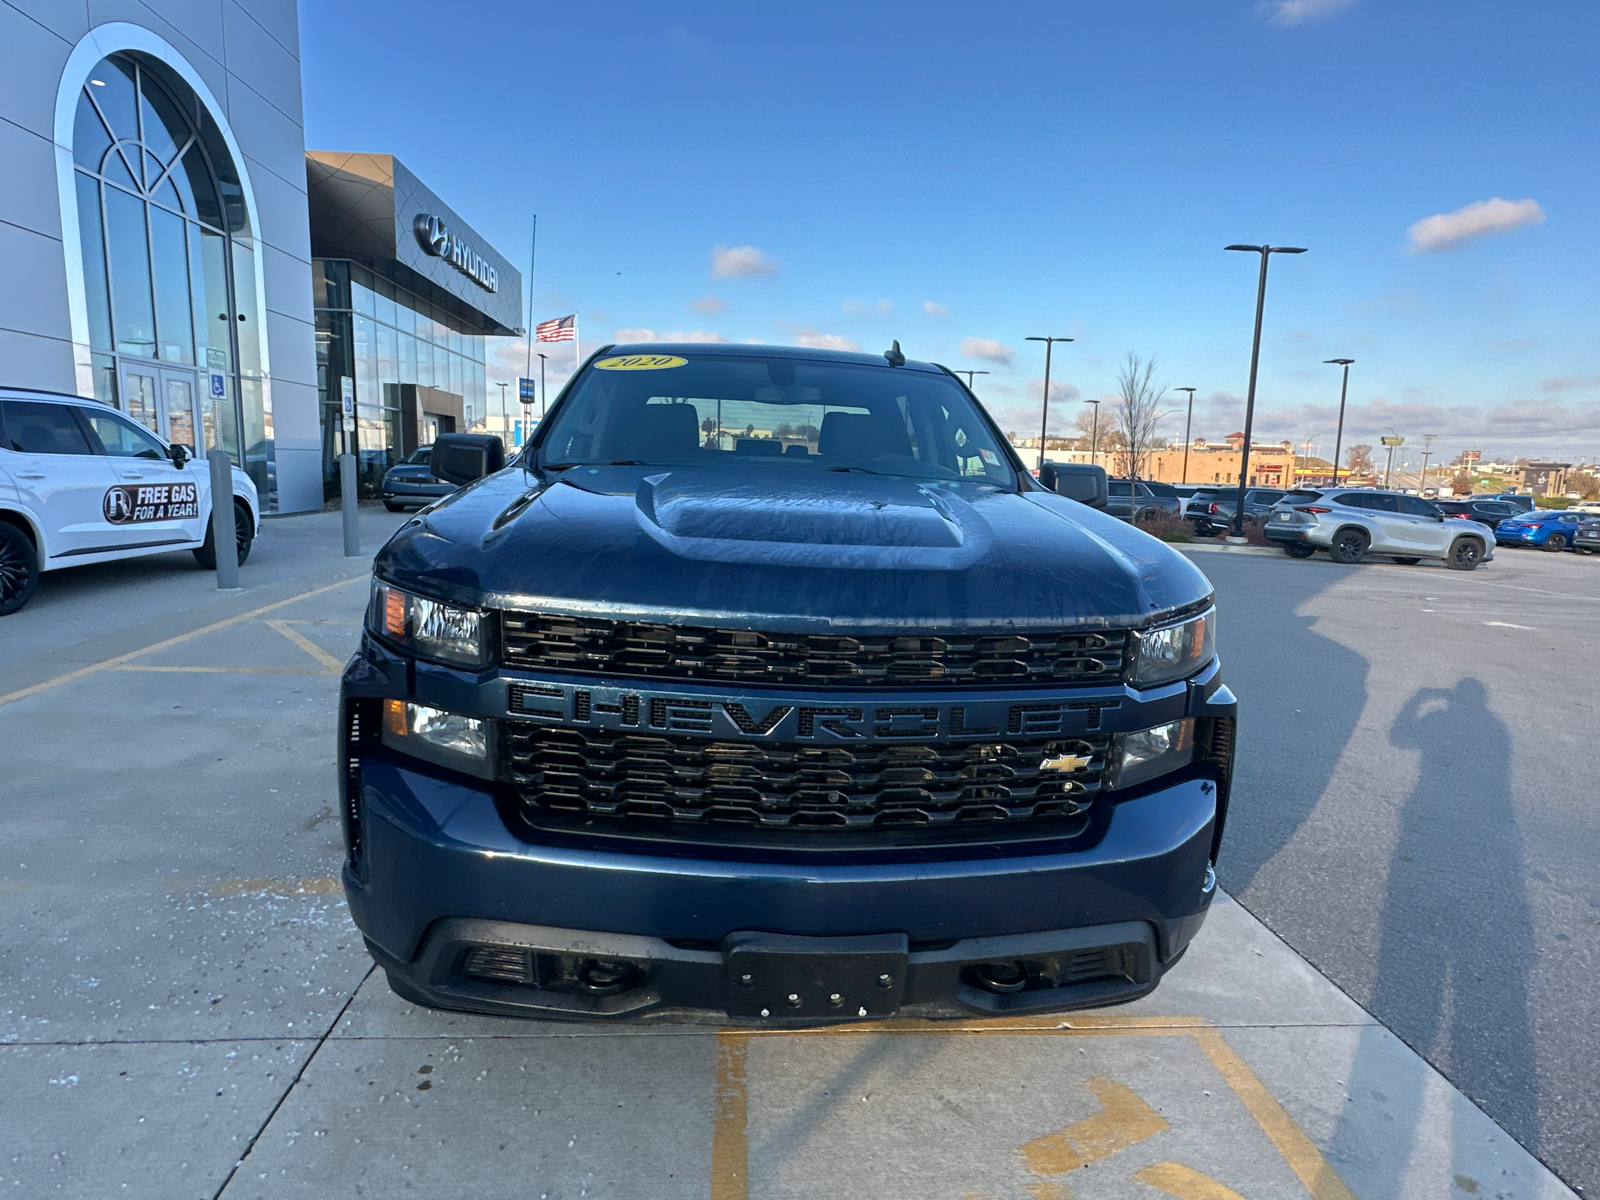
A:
x,y
1358,459
1135,413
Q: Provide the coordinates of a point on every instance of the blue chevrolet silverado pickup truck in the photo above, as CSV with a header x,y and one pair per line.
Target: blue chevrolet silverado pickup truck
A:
x,y
767,682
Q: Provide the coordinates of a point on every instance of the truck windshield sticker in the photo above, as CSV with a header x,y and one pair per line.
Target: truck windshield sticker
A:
x,y
130,504
640,362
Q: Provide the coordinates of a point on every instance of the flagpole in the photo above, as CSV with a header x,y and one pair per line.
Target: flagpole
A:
x,y
533,253
577,344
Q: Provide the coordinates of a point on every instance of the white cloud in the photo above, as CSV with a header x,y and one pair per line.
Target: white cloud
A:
x,y
741,262
934,309
856,307
989,349
1300,12
706,304
1446,231
1060,390
823,341
671,335
1566,383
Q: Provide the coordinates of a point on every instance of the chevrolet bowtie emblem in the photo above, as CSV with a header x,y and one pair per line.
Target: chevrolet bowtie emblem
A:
x,y
1065,762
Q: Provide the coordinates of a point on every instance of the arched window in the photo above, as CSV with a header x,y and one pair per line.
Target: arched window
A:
x,y
168,256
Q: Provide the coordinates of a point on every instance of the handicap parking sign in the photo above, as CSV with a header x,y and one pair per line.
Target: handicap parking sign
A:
x,y
219,386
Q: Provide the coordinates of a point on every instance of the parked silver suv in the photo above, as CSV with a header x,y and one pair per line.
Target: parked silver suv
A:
x,y
1350,524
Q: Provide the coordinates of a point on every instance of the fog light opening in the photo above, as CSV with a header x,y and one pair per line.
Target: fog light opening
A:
x,y
603,977
1003,978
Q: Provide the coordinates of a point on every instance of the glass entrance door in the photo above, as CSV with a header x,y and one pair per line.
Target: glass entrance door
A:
x,y
164,401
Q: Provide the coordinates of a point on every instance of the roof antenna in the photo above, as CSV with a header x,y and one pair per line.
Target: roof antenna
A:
x,y
896,359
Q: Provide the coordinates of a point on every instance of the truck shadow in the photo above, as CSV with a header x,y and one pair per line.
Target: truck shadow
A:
x,y
1456,933
1300,697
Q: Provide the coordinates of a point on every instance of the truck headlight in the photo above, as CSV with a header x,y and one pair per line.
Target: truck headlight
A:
x,y
1176,651
1147,753
449,739
429,628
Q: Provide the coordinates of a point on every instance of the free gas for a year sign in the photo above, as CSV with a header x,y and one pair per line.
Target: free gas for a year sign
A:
x,y
130,504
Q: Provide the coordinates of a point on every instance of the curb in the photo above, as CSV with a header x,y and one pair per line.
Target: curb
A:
x,y
1224,548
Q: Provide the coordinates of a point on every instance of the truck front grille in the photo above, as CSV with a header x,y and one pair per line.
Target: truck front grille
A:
x,y
612,773
629,649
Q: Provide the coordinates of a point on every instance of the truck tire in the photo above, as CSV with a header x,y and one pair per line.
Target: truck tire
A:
x,y
1298,550
244,536
1349,545
1465,554
19,569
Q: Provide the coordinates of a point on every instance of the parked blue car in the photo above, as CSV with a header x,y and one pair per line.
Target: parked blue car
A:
x,y
1545,529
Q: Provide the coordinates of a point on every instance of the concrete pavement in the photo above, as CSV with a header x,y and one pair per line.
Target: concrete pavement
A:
x,y
186,1010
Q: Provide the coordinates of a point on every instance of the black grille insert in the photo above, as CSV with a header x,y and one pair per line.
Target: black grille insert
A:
x,y
636,650
612,773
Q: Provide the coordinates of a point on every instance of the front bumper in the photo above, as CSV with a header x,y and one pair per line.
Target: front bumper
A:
x,y
442,876
468,906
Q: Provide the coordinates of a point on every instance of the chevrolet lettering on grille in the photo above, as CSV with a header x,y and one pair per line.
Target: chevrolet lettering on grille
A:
x,y
800,719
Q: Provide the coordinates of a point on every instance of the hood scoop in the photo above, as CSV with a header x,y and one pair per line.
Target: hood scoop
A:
x,y
843,520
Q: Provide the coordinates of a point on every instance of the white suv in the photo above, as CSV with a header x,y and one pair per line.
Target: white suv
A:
x,y
81,483
1350,524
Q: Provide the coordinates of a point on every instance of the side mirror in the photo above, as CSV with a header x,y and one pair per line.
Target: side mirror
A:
x,y
179,454
1047,475
1081,482
460,458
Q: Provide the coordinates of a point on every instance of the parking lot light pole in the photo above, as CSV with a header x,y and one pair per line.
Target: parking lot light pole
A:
x,y
1094,431
1344,389
1187,423
969,375
544,396
1266,253
1044,420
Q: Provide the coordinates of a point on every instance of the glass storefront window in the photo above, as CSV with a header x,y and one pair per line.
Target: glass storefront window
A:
x,y
167,274
362,299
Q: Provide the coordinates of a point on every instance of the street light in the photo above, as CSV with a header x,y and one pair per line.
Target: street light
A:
x,y
1094,430
1044,421
1344,388
1187,422
969,375
502,388
544,396
1266,252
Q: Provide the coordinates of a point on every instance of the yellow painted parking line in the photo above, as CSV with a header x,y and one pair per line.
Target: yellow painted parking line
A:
x,y
1123,1120
729,1149
1303,1157
332,664
218,670
1185,1183
1124,1113
118,660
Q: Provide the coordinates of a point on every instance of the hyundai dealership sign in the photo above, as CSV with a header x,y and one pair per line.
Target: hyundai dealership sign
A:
x,y
436,238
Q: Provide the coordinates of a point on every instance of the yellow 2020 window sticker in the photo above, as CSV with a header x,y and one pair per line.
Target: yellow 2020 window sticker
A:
x,y
640,362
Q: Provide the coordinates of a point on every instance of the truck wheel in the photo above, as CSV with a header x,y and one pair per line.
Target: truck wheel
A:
x,y
19,569
1348,546
1465,555
1555,542
244,538
1406,561
1299,550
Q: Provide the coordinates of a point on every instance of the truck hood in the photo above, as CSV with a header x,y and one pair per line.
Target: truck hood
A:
x,y
848,552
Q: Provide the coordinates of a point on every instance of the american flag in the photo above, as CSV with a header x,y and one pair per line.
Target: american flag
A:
x,y
558,329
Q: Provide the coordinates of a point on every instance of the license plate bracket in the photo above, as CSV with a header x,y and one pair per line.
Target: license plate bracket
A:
x,y
777,975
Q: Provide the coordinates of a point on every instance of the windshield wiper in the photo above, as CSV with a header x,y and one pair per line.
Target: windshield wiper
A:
x,y
866,471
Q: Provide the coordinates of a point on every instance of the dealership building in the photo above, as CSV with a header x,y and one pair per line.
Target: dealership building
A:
x,y
172,250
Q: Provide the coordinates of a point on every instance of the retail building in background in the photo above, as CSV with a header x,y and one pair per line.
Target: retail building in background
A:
x,y
153,225
406,292
157,247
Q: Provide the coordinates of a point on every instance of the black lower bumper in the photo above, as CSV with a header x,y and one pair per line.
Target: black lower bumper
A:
x,y
464,914
1290,536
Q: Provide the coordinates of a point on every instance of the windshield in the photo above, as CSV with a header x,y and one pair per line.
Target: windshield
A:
x,y
774,414
420,455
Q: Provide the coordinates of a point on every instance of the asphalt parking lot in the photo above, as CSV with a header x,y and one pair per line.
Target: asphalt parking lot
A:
x,y
186,1010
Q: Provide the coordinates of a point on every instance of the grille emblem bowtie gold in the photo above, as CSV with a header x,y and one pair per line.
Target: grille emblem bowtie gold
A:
x,y
1065,762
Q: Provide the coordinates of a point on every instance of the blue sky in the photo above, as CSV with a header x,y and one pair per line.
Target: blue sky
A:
x,y
959,177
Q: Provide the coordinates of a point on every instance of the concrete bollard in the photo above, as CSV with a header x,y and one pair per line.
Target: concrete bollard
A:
x,y
224,538
347,503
